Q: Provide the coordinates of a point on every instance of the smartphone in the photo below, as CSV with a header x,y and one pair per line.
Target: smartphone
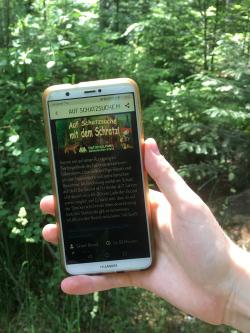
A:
x,y
95,142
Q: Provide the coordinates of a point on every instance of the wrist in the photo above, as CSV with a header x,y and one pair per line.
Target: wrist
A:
x,y
237,311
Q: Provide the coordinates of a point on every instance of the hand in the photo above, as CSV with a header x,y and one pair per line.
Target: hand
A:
x,y
192,267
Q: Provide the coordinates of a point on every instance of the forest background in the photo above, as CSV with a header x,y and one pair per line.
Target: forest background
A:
x,y
191,59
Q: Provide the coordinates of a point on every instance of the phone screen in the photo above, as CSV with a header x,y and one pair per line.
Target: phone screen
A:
x,y
99,178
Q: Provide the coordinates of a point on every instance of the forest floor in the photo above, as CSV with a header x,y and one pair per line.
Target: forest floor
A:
x,y
240,234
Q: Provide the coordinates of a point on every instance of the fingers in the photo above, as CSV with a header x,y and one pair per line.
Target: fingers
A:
x,y
84,284
50,233
167,179
155,197
47,205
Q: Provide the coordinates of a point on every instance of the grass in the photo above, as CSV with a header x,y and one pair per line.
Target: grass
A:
x,y
32,301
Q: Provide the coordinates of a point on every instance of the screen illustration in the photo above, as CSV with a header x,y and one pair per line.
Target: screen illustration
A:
x,y
94,134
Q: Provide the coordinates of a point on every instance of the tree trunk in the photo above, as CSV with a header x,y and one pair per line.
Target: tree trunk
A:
x,y
203,11
6,24
215,31
104,6
145,7
117,16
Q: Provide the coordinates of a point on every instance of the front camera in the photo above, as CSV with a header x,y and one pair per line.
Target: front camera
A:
x,y
67,93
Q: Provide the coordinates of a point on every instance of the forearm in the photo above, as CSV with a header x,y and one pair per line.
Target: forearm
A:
x,y
237,312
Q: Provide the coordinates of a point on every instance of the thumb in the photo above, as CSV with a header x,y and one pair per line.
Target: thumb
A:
x,y
86,284
168,180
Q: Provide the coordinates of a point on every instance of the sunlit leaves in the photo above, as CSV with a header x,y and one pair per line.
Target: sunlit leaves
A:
x,y
50,64
198,148
86,16
211,11
215,112
13,138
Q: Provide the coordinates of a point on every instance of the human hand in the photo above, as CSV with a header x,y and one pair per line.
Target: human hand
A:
x,y
192,266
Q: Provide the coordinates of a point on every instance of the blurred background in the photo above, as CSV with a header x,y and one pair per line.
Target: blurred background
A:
x,y
191,59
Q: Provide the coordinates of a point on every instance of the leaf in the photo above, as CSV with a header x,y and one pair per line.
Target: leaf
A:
x,y
16,152
50,64
131,28
225,88
14,138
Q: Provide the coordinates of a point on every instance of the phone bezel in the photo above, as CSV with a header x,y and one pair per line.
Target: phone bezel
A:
x,y
98,88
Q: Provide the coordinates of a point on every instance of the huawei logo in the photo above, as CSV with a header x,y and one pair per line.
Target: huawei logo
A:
x,y
108,266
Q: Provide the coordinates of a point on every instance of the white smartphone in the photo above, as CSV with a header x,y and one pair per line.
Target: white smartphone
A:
x,y
95,142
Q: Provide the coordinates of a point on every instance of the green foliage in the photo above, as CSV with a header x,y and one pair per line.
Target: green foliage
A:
x,y
204,121
39,306
191,60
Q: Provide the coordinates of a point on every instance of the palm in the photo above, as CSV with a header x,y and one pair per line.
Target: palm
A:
x,y
176,274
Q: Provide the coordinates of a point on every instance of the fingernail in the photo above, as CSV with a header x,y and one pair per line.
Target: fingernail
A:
x,y
154,146
69,284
